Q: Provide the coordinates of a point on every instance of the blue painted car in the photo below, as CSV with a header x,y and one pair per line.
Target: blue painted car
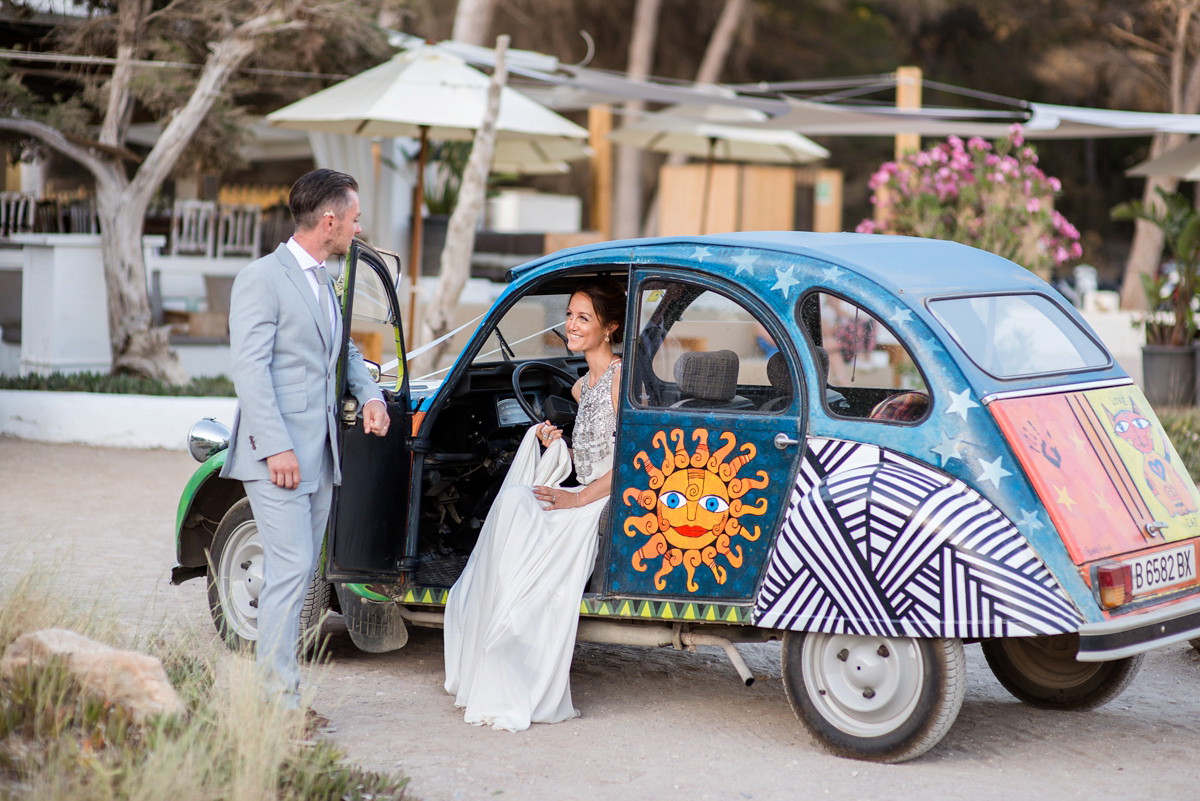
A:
x,y
872,448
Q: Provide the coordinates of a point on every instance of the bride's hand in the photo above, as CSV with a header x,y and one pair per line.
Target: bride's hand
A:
x,y
557,498
547,432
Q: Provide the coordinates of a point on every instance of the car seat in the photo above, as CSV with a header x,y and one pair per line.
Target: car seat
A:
x,y
708,379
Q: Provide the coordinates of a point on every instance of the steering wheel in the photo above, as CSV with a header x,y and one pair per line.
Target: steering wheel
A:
x,y
564,411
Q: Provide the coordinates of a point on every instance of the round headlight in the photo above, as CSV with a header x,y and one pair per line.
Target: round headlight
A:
x,y
207,437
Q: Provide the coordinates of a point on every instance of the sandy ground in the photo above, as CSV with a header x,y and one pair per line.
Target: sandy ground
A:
x,y
655,724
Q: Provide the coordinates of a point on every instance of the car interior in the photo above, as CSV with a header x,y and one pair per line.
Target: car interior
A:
x,y
692,348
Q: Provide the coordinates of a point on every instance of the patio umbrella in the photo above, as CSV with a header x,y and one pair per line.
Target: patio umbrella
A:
x,y
427,93
1183,162
716,131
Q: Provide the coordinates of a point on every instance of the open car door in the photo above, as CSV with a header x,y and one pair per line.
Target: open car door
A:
x,y
369,518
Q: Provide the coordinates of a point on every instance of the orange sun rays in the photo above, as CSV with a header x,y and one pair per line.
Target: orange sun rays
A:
x,y
693,505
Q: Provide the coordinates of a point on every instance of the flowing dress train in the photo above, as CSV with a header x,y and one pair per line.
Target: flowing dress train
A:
x,y
512,615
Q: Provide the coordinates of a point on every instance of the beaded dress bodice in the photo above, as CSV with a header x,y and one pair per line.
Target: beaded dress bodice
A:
x,y
595,427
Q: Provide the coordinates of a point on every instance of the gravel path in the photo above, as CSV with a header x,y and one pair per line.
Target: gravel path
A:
x,y
656,724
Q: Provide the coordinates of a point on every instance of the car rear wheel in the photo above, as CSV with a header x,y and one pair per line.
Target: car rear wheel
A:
x,y
1043,672
883,699
235,580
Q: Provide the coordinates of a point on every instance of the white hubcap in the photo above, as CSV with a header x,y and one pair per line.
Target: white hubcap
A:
x,y
239,577
865,686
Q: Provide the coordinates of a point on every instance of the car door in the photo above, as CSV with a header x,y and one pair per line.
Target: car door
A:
x,y
369,520
712,422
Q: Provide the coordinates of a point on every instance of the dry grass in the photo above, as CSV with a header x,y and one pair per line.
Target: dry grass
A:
x,y
55,743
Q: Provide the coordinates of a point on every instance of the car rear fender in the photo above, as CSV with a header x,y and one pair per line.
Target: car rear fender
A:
x,y
876,543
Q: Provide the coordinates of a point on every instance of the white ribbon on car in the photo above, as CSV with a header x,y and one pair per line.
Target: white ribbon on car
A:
x,y
396,362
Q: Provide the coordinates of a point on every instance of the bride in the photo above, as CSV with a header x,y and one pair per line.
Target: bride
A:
x,y
511,616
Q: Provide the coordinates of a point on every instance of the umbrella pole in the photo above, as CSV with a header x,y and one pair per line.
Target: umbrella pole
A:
x,y
414,252
708,170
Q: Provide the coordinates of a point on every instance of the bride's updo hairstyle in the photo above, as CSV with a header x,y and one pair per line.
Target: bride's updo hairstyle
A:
x,y
608,300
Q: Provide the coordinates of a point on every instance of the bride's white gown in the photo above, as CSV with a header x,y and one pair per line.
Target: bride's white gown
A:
x,y
512,615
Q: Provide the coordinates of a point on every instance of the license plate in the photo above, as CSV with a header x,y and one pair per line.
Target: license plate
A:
x,y
1163,569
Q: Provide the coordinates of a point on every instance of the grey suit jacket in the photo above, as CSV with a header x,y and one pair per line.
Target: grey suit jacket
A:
x,y
284,370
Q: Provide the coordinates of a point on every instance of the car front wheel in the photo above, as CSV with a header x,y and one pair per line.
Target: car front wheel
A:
x,y
1043,672
883,699
235,581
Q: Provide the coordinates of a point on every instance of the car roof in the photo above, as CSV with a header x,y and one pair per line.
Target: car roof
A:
x,y
919,267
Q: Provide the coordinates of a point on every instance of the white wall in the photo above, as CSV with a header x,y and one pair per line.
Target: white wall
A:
x,y
115,421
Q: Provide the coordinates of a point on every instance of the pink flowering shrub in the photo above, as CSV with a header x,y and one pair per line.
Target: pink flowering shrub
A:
x,y
993,198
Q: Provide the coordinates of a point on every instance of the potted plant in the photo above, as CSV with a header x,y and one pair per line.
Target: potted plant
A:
x,y
447,162
1168,358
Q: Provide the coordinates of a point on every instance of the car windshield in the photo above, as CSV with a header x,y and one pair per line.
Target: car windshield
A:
x,y
1018,335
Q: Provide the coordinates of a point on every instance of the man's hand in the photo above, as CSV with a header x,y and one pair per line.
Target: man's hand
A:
x,y
285,470
375,417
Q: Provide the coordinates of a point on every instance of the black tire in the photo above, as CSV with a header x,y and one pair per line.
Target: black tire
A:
x,y
1043,672
880,699
235,579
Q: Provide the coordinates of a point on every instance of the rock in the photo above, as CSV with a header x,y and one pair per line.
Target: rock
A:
x,y
132,680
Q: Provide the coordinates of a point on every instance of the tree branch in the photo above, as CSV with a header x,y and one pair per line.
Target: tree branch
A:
x,y
53,138
227,55
1139,41
131,24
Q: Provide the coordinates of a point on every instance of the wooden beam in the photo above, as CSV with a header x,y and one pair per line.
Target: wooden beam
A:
x,y
599,126
908,96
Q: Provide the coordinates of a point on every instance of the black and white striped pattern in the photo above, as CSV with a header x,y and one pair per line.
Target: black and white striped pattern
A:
x,y
875,543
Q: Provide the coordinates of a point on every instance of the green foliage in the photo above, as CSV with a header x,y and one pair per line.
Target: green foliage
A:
x,y
1179,221
107,383
449,161
1183,429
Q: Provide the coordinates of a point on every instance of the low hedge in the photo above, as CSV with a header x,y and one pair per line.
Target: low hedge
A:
x,y
106,383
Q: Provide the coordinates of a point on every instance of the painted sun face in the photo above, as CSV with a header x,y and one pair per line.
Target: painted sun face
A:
x,y
693,505
693,508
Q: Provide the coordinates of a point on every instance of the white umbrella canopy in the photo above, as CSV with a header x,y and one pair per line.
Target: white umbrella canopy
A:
x,y
1183,162
715,131
428,93
718,132
422,89
538,156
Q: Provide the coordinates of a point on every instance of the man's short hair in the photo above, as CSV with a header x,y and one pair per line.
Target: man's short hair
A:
x,y
317,192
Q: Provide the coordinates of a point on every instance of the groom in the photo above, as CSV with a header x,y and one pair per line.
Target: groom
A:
x,y
285,332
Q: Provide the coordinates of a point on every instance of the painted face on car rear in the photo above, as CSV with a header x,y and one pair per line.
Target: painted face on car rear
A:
x,y
584,330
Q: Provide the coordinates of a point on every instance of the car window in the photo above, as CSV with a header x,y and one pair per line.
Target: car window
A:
x,y
371,321
531,329
1018,335
867,371
699,349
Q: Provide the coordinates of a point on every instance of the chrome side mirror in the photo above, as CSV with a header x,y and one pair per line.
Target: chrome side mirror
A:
x,y
373,370
207,437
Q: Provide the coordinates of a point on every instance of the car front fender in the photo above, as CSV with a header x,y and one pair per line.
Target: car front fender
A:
x,y
205,500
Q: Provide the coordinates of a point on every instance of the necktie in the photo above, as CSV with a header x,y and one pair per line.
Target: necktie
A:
x,y
323,282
